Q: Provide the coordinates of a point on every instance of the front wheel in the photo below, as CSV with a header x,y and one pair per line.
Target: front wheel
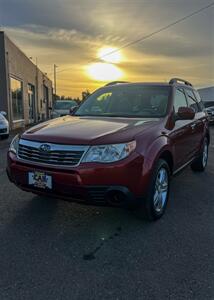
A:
x,y
158,194
199,165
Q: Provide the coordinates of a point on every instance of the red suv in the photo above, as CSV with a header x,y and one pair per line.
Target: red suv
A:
x,y
120,147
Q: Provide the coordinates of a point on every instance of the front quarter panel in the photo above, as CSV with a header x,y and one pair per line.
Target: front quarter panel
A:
x,y
151,150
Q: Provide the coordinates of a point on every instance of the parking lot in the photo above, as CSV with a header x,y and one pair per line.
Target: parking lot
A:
x,y
52,249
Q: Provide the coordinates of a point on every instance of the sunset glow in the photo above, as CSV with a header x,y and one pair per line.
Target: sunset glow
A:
x,y
104,72
83,33
110,55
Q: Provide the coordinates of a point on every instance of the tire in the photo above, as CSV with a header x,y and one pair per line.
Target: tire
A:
x,y
199,165
155,204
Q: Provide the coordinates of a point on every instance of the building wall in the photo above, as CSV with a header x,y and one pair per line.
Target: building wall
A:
x,y
20,67
207,94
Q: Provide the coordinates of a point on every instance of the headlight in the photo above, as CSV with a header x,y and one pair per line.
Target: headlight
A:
x,y
109,153
14,144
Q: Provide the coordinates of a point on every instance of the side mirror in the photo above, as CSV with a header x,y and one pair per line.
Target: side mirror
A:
x,y
73,110
3,113
185,113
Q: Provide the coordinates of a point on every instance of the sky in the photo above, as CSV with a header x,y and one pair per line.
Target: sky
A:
x,y
71,34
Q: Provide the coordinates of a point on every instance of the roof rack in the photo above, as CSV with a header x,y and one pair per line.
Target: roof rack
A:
x,y
115,82
179,80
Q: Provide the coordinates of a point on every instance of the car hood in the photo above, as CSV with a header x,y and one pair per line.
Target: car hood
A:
x,y
88,130
3,120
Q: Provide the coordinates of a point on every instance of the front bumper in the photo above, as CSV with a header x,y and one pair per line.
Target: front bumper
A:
x,y
210,115
113,185
211,118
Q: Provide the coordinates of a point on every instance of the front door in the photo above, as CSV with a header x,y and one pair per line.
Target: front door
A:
x,y
197,124
181,135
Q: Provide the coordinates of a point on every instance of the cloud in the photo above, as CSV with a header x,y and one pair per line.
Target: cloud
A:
x,y
69,33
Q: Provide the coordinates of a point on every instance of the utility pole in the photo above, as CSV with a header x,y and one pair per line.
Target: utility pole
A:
x,y
37,91
55,67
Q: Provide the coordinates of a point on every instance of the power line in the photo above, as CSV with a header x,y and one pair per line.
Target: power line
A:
x,y
157,31
149,35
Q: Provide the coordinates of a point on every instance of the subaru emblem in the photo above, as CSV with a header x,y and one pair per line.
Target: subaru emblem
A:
x,y
45,148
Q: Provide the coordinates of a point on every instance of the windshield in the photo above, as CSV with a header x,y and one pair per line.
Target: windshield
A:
x,y
1,117
127,101
64,104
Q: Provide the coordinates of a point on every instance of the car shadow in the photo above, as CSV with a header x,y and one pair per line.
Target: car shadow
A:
x,y
69,228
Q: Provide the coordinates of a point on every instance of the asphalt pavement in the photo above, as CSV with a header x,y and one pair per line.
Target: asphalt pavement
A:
x,y
53,249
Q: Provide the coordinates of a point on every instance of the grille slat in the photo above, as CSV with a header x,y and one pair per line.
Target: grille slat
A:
x,y
53,153
54,156
65,155
48,159
97,194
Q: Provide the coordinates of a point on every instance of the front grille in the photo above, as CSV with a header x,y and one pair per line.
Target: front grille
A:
x,y
60,155
3,130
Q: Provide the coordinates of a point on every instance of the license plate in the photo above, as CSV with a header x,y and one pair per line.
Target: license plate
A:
x,y
40,180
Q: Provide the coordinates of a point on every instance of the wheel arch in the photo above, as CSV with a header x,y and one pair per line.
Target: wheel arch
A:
x,y
167,156
207,135
161,148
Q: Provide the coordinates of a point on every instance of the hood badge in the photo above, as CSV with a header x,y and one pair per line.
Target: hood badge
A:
x,y
45,148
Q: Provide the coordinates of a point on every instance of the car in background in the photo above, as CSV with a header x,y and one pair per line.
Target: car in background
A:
x,y
209,108
62,108
4,126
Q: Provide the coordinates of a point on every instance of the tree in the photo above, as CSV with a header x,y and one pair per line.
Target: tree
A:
x,y
85,95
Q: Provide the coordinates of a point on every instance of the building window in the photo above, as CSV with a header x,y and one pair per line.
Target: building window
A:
x,y
17,99
31,102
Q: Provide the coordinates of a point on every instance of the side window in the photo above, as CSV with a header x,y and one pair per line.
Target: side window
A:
x,y
199,100
180,99
192,101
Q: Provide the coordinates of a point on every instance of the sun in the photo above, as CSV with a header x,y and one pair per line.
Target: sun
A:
x,y
104,72
107,69
110,55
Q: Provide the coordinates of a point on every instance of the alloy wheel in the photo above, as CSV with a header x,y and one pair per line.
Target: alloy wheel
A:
x,y
161,190
205,155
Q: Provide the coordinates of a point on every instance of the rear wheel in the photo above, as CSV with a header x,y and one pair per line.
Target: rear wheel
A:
x,y
199,165
156,201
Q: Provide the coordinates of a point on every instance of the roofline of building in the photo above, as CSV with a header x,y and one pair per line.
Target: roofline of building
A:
x,y
43,73
206,88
